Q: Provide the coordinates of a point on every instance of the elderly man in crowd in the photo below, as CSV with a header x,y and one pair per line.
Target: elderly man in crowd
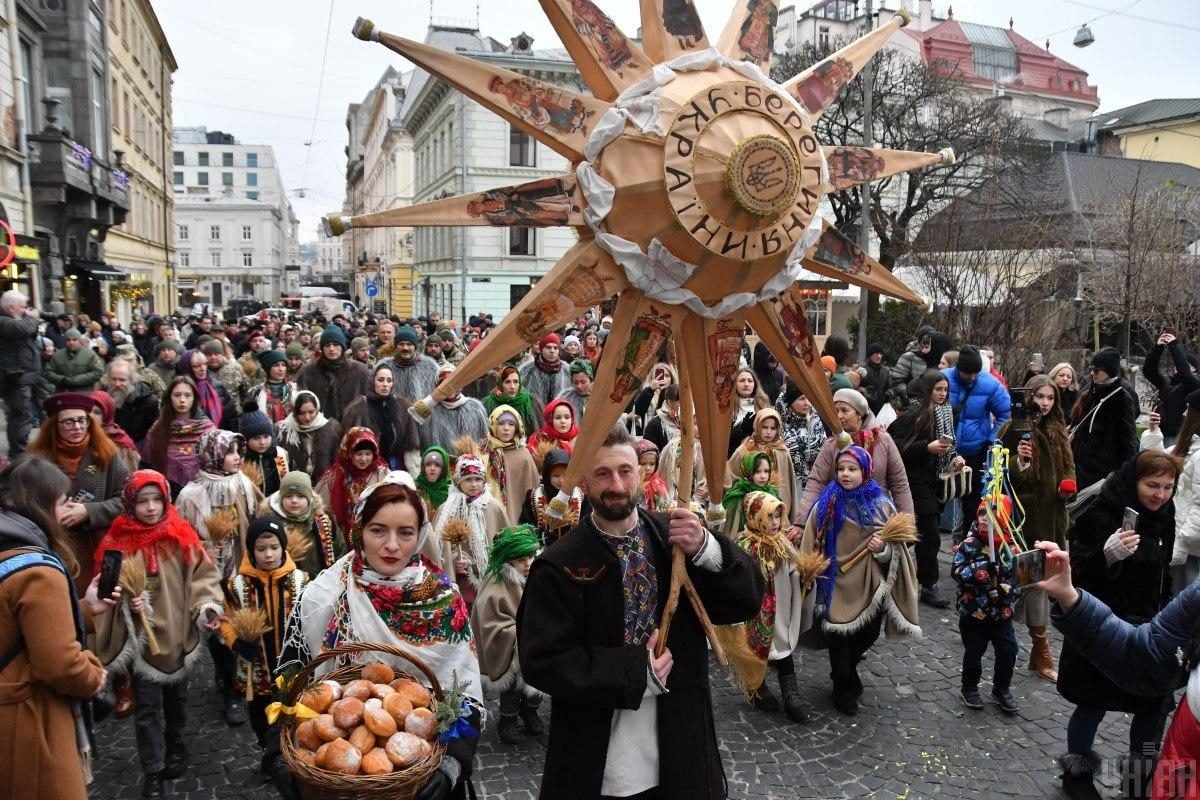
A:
x,y
20,366
137,402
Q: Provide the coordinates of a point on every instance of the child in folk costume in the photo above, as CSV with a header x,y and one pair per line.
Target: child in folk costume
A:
x,y
311,538
264,463
508,466
484,516
182,597
510,392
768,438
559,426
669,463
769,638
268,582
310,438
755,474
219,503
983,570
537,508
433,481
868,579
358,465
654,488
494,621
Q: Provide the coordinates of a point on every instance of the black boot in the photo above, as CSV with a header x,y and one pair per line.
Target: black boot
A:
x,y
152,785
1079,775
509,729
1137,772
763,700
176,763
235,712
789,690
932,597
530,719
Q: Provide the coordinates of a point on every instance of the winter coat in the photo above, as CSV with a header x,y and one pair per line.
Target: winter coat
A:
x,y
350,381
323,446
980,410
1172,391
985,587
104,484
75,372
1104,432
494,623
20,348
274,592
404,429
140,411
1135,588
1187,508
920,465
877,385
37,723
887,468
571,644
1037,488
236,383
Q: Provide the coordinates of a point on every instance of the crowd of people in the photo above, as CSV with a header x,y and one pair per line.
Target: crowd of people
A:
x,y
272,465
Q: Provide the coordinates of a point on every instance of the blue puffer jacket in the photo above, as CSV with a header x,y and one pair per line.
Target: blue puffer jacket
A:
x,y
978,421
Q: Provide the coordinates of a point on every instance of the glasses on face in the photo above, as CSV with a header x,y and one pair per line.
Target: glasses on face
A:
x,y
73,422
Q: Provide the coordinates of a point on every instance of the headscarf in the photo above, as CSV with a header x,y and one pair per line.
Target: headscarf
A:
x,y
212,448
831,509
130,536
522,402
583,365
493,440
206,393
437,490
384,412
108,410
290,430
654,489
495,472
745,485
769,549
511,544
866,436
755,439
346,481
548,430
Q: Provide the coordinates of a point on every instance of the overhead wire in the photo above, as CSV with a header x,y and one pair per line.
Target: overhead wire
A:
x,y
320,86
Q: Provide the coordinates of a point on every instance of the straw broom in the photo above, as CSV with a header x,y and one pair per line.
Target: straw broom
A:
x,y
299,545
249,624
221,523
133,583
899,529
456,533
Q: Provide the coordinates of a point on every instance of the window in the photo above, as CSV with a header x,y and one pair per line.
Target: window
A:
x,y
252,195
185,258
818,320
181,233
179,179
203,158
99,118
226,159
520,241
252,160
521,148
178,156
823,37
247,233
247,259
202,179
252,179
214,258
227,179
214,233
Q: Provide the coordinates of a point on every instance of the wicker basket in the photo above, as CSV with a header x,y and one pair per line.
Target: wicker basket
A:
x,y
319,784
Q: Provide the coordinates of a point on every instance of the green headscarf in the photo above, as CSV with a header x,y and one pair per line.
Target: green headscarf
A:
x,y
732,501
582,365
438,490
509,544
522,403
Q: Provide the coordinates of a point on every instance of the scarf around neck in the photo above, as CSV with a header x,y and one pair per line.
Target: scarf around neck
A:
x,y
437,490
68,456
290,429
170,534
346,481
863,505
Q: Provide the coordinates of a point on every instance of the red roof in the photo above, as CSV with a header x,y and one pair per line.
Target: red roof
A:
x,y
1039,70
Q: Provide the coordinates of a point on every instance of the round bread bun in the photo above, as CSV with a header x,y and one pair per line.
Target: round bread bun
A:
x,y
336,687
421,722
319,756
362,739
306,735
378,673
403,749
398,706
305,756
380,723
414,692
319,698
374,702
347,712
381,690
327,729
358,689
426,747
341,757
376,762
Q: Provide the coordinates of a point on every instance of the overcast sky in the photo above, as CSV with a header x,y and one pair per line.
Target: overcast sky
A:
x,y
253,68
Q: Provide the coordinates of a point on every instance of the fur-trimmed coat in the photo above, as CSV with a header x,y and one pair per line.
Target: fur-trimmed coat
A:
x,y
351,380
494,622
414,381
546,386
447,424
316,451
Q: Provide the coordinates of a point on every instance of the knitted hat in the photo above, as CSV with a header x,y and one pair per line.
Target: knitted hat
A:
x,y
467,466
582,365
47,342
854,399
829,363
269,358
254,422
169,344
511,544
359,343
873,348
212,348
333,334
970,362
407,334
1107,359
293,350
264,526
65,401
549,338
72,333
571,340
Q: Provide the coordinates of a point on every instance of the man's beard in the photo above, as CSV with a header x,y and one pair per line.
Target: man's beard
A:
x,y
615,506
119,395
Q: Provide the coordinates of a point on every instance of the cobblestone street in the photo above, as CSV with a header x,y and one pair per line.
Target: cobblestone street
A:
x,y
911,739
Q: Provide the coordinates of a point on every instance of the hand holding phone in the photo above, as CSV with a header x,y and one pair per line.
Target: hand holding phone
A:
x,y
1129,520
1030,567
110,574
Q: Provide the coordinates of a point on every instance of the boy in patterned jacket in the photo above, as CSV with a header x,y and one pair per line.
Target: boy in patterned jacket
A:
x,y
983,570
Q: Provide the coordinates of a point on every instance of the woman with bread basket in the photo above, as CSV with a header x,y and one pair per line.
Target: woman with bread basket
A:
x,y
387,606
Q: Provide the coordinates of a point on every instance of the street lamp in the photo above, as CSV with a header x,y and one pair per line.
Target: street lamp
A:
x,y
1083,36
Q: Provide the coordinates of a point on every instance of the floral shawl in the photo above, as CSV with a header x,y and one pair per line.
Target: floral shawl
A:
x,y
345,482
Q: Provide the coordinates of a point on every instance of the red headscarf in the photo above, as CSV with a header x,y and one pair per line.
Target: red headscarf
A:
x,y
347,482
548,431
130,536
108,410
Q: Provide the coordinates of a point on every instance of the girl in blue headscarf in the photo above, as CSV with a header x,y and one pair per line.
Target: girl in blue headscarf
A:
x,y
868,579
